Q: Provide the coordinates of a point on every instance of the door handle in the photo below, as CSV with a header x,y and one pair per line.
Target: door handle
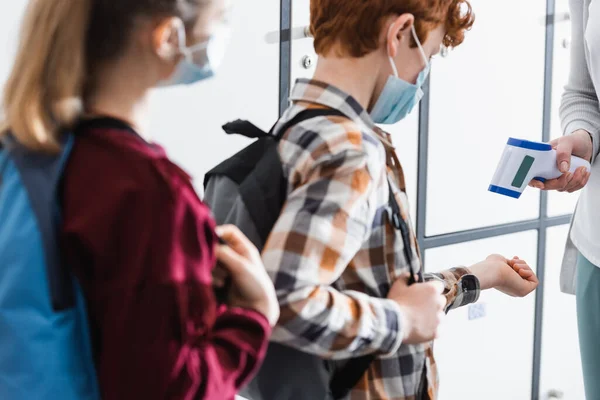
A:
x,y
555,18
301,32
555,394
562,17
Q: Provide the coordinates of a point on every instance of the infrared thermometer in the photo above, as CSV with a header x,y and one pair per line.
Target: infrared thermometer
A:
x,y
523,161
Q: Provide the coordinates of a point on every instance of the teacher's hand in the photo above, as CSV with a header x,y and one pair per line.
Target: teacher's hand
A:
x,y
579,144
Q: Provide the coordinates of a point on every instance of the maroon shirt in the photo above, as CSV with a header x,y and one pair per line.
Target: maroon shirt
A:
x,y
142,245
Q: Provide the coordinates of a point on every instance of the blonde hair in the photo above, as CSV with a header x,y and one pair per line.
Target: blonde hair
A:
x,y
44,90
60,44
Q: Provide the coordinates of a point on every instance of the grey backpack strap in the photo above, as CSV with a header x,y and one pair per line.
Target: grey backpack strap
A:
x,y
304,115
41,174
3,158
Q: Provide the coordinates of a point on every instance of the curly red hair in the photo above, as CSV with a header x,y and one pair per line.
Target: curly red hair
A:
x,y
353,27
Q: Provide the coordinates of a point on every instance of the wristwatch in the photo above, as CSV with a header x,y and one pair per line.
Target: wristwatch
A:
x,y
469,285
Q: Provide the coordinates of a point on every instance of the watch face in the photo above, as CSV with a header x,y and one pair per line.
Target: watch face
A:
x,y
469,282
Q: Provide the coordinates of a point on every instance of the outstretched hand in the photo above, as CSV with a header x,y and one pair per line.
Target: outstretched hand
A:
x,y
512,277
518,280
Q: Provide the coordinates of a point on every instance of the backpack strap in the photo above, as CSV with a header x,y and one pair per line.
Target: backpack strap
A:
x,y
40,174
305,115
261,181
400,224
244,128
248,129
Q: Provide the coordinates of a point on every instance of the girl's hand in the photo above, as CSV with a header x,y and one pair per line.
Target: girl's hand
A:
x,y
251,286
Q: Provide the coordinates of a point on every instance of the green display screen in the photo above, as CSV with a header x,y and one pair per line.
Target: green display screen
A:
x,y
522,172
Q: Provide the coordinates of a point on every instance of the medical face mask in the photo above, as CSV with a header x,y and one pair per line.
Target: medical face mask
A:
x,y
199,61
398,96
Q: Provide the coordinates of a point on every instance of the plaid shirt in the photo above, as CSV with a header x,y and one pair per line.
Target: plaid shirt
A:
x,y
333,254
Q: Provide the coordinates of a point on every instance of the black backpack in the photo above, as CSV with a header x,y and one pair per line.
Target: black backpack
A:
x,y
249,190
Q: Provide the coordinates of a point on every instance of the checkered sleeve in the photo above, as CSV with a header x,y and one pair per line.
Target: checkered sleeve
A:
x,y
459,290
325,221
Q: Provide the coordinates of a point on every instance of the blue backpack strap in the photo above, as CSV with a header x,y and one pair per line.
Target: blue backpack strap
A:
x,y
41,174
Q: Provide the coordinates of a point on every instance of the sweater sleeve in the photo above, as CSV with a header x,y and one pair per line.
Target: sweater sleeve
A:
x,y
580,108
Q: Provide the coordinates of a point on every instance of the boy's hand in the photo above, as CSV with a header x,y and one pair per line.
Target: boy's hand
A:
x,y
512,277
422,309
519,280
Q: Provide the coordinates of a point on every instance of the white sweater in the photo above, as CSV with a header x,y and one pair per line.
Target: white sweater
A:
x,y
580,109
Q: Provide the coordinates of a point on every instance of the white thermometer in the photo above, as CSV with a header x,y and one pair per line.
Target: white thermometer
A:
x,y
523,161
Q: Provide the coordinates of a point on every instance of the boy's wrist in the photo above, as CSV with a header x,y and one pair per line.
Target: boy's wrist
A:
x,y
487,275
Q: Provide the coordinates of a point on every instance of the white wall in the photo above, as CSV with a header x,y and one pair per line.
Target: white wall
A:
x,y
10,22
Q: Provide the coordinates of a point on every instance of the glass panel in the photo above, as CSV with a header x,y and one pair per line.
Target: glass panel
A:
x,y
405,136
561,365
560,203
493,351
11,13
188,120
486,90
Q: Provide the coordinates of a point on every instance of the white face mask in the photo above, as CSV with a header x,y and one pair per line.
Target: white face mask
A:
x,y
201,60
